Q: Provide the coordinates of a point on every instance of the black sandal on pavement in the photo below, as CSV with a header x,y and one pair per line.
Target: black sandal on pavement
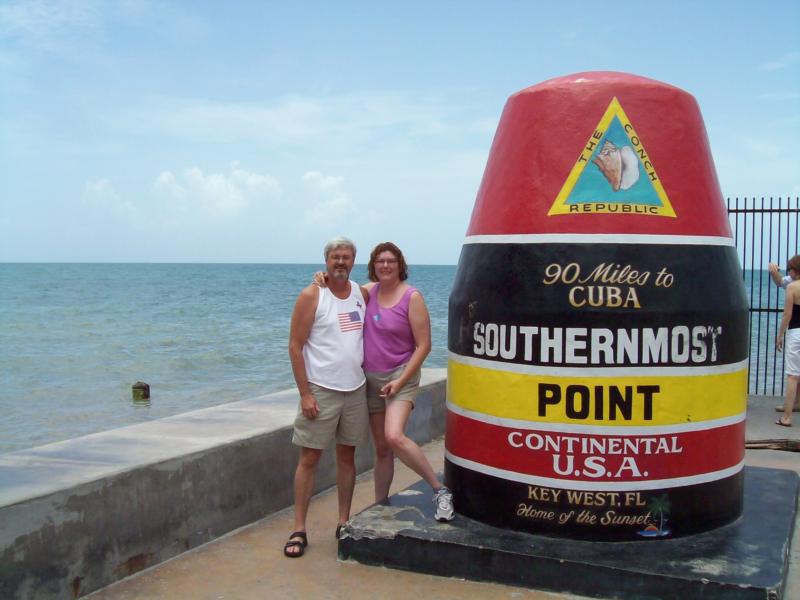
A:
x,y
292,543
783,423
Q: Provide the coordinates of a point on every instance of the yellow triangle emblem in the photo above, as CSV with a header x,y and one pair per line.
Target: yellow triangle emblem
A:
x,y
613,174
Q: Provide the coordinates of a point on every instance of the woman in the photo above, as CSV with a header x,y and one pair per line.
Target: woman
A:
x,y
397,338
790,321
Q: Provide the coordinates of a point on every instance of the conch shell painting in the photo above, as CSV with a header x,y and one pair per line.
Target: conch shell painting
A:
x,y
619,166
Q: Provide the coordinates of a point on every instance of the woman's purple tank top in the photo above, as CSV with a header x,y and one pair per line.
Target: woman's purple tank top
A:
x,y
388,340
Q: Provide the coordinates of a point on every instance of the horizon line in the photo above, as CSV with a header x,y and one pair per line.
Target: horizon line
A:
x,y
78,262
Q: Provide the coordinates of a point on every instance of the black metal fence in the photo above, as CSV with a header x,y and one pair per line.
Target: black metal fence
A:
x,y
765,230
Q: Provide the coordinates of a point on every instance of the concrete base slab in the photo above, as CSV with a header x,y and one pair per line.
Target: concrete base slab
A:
x,y
746,559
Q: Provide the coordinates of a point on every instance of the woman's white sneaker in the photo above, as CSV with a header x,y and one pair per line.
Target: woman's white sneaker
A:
x,y
443,499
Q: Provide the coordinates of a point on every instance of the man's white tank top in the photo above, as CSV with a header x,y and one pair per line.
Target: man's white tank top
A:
x,y
334,351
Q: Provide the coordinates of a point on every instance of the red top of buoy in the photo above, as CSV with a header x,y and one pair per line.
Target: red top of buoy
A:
x,y
600,152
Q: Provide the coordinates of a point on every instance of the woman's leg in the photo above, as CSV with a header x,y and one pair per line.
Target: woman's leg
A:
x,y
796,402
397,413
791,396
384,458
796,396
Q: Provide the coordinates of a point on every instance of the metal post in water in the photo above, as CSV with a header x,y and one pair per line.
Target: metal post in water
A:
x,y
141,391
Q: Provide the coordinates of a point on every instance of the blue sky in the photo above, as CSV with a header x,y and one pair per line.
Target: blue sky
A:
x,y
254,131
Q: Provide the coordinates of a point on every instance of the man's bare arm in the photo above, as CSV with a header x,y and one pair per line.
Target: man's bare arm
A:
x,y
365,291
302,321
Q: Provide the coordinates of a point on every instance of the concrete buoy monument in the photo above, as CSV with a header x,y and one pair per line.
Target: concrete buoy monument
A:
x,y
598,325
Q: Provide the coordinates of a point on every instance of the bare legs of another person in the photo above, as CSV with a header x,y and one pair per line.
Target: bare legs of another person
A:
x,y
384,457
789,399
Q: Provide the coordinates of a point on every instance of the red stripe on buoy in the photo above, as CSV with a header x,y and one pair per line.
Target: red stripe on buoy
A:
x,y
548,454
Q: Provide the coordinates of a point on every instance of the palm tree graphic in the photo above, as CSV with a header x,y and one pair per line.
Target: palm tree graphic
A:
x,y
660,505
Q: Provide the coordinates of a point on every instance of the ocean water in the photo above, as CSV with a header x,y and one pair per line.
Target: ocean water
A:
x,y
75,337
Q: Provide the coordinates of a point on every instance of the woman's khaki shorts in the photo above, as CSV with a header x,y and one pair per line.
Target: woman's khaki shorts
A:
x,y
376,380
342,415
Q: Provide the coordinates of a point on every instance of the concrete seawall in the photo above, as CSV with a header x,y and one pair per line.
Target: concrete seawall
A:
x,y
80,514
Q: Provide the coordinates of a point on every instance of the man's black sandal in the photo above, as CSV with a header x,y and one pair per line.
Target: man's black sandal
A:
x,y
301,543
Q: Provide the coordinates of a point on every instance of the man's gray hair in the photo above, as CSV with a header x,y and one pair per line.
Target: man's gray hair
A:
x,y
339,242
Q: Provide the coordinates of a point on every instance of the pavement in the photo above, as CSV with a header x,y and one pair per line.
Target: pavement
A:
x,y
249,563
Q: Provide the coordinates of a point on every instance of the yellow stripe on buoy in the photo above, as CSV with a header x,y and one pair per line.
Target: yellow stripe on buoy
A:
x,y
618,400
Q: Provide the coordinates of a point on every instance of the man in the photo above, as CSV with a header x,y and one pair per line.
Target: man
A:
x,y
325,347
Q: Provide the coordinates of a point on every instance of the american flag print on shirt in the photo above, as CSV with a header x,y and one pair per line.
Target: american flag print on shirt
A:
x,y
350,321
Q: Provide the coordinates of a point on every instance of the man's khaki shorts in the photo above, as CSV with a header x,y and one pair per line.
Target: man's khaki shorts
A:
x,y
376,380
342,416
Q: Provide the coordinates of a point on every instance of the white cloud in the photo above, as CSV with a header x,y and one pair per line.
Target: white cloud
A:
x,y
100,193
332,205
166,187
216,194
785,61
167,184
324,183
264,186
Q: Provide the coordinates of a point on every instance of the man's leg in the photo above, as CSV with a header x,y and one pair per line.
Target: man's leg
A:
x,y
303,486
345,479
384,457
